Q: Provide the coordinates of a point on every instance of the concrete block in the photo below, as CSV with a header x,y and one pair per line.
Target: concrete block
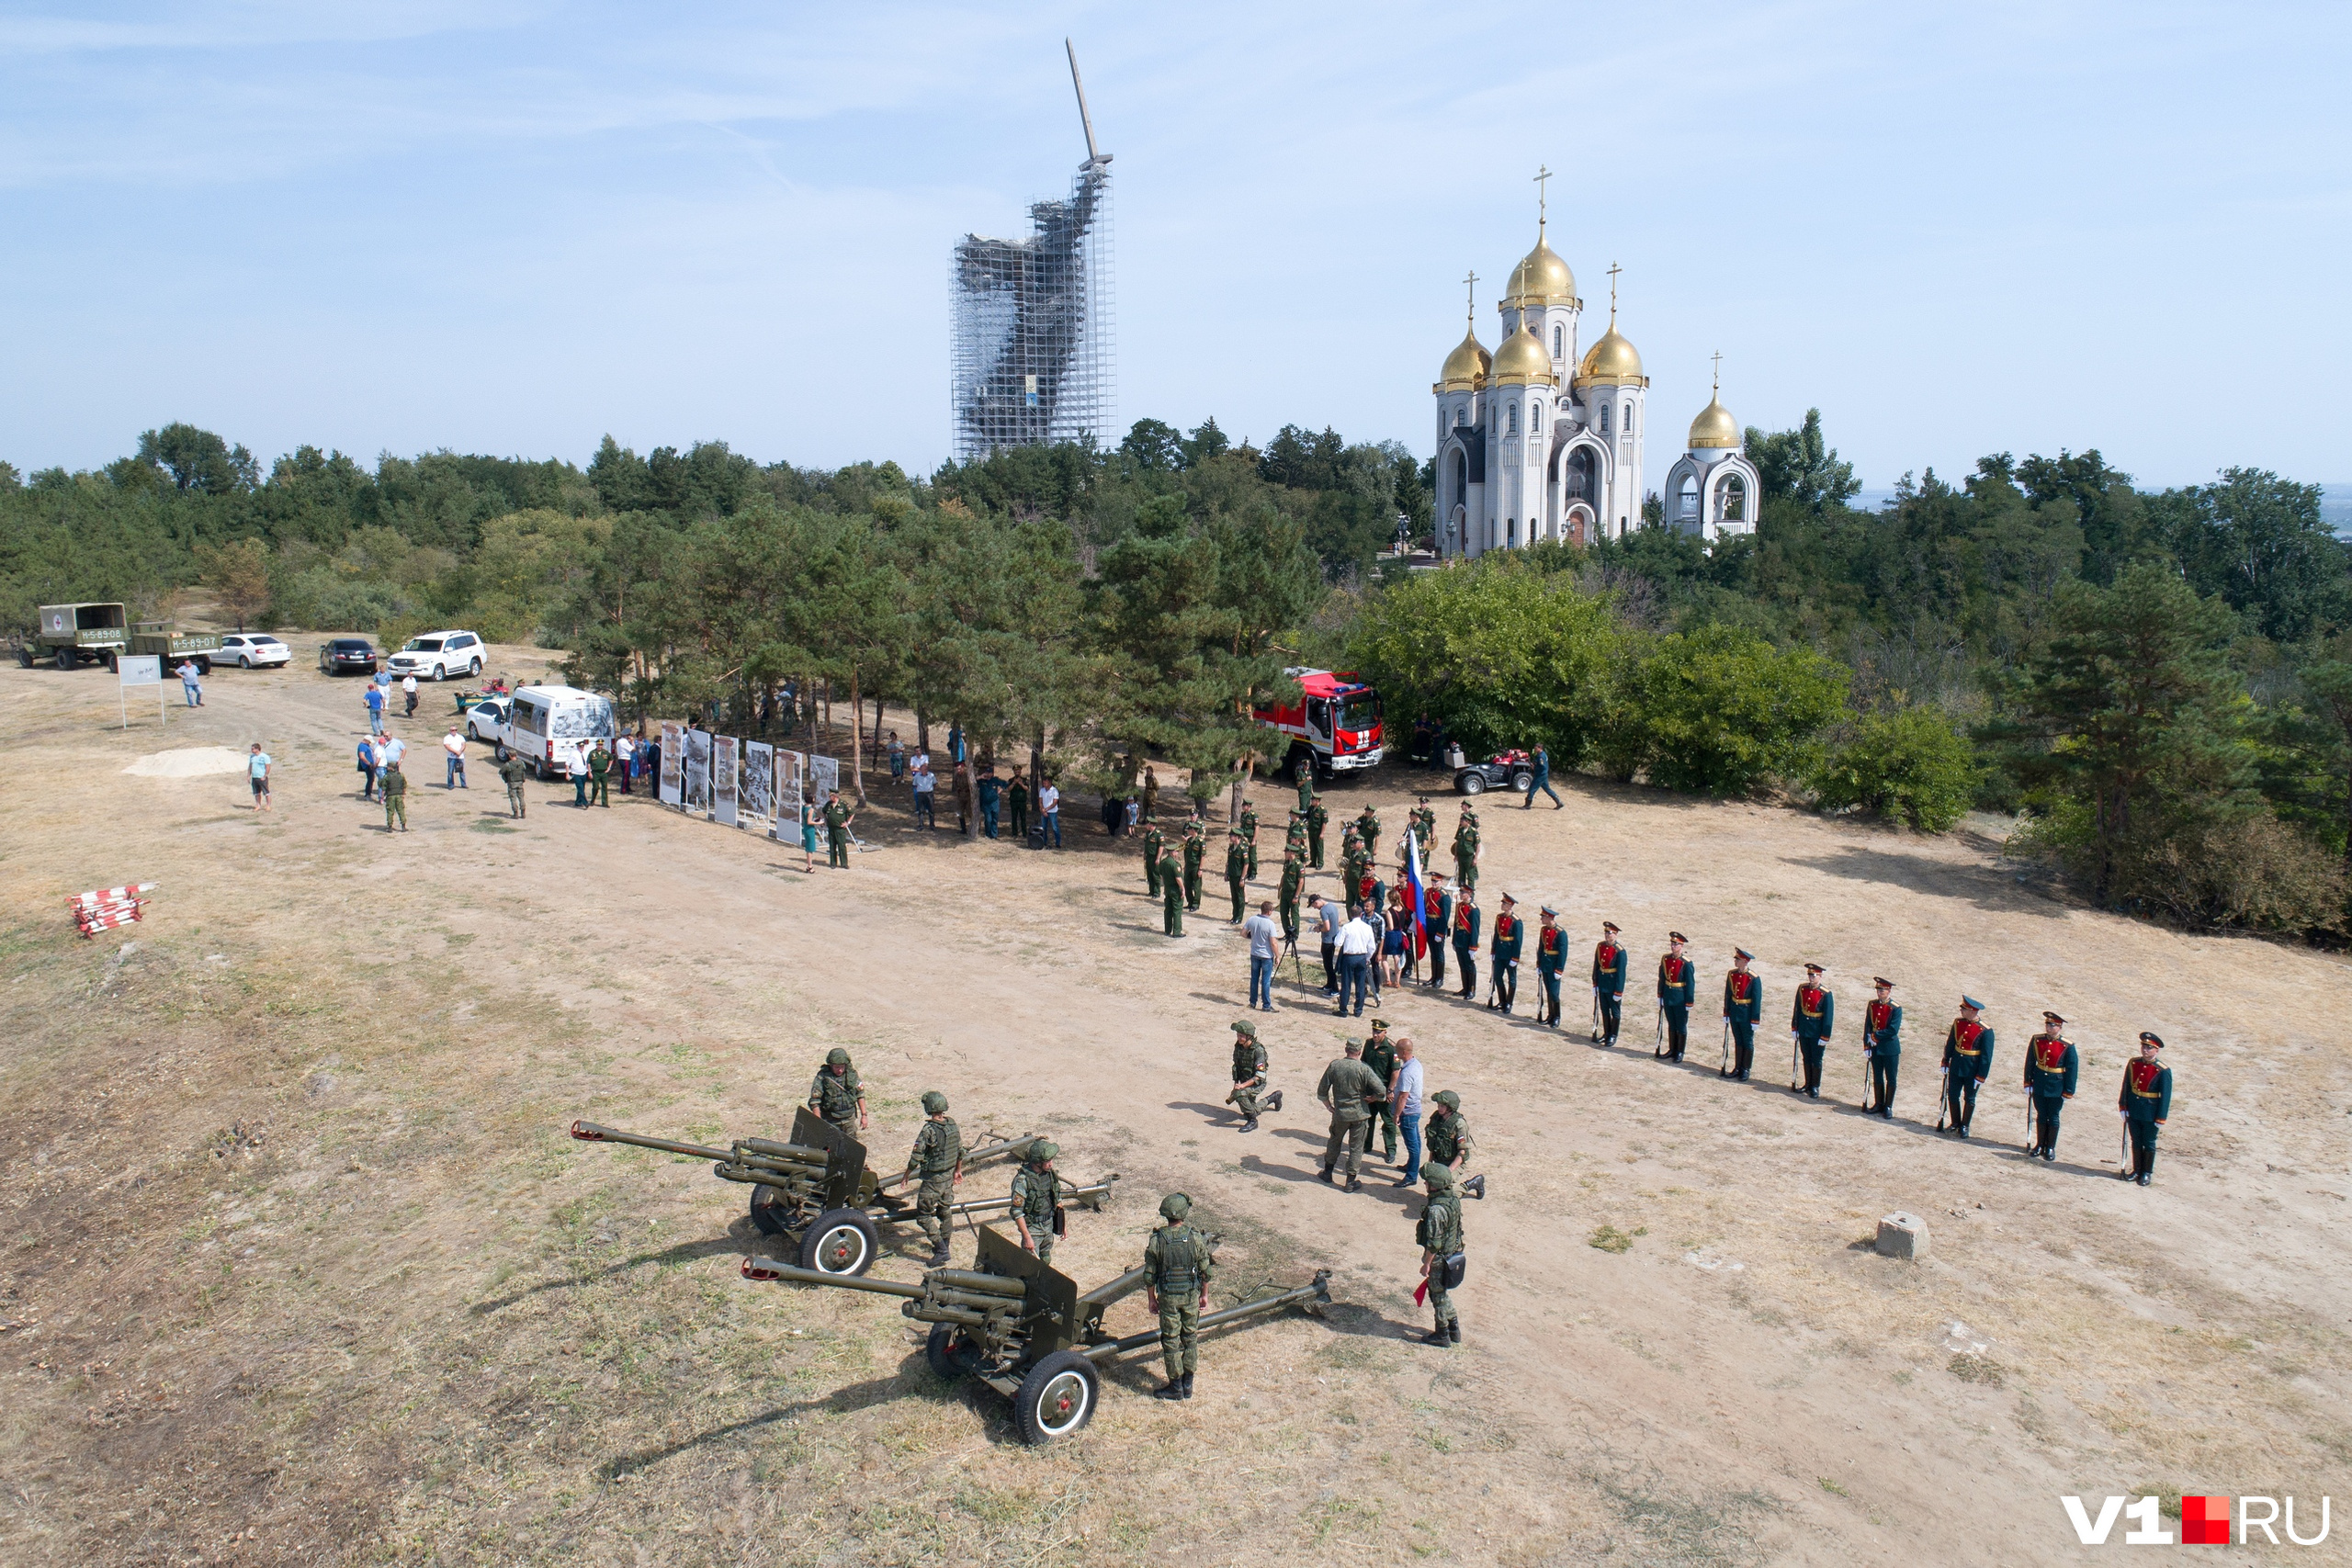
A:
x,y
1903,1236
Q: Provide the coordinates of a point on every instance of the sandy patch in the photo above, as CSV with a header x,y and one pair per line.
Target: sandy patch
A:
x,y
189,763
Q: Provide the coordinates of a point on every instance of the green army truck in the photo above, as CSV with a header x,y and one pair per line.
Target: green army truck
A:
x,y
77,634
176,647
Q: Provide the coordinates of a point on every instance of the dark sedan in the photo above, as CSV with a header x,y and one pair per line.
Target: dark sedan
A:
x,y
345,654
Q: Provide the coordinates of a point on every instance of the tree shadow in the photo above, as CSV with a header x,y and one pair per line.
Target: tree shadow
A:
x,y
2002,892
841,1402
684,1252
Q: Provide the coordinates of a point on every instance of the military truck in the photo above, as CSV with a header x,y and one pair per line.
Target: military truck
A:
x,y
176,647
77,634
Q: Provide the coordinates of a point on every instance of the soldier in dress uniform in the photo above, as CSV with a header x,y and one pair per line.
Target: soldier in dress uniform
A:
x,y
2145,1102
1380,1055
1511,934
1811,1021
1368,830
1465,848
937,1162
1306,786
1440,1233
1425,832
1286,896
2051,1064
1609,962
1466,942
1197,846
1171,893
1551,957
1311,826
1153,842
1249,831
837,1093
1882,1045
1177,1265
1437,913
1236,872
1968,1059
1294,837
1249,1075
1036,1198
837,820
1677,987
1743,1011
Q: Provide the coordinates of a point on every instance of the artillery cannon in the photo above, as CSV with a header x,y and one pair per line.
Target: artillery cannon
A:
x,y
817,1193
1026,1330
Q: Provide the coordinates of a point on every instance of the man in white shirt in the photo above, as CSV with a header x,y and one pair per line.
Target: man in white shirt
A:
x,y
1356,945
1405,1102
1264,934
926,788
408,690
455,744
1049,813
624,757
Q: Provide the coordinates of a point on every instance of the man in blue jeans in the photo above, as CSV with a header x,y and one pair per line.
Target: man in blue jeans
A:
x,y
1356,943
991,800
1264,934
375,708
1405,1102
1540,777
1049,813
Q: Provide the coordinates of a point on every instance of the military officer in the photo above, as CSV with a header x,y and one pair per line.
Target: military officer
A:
x,y
837,1093
937,1162
1347,1091
1287,894
2050,1065
1968,1061
1249,831
1171,893
1177,1265
1743,1011
1036,1199
1437,913
2145,1102
1811,1021
838,817
1305,786
1153,841
1425,832
1236,872
1318,819
1249,1077
512,771
1466,942
1196,847
1440,1233
1677,987
1510,935
1883,1046
1551,957
1380,1055
1466,850
1609,963
1368,830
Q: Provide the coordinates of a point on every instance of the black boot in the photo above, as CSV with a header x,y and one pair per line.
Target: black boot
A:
x,y
1327,1173
1174,1388
1354,1185
1453,1331
1274,1100
1436,1336
1188,1385
1251,1125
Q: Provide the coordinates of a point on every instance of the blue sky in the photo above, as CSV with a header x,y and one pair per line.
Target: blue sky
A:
x,y
513,228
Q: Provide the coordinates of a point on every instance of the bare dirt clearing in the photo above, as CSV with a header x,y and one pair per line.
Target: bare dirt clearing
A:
x,y
301,1266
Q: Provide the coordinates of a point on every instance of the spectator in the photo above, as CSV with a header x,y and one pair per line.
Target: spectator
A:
x,y
1325,916
1357,944
1369,913
257,766
1049,814
1114,816
366,762
389,750
191,683
1133,810
1405,1104
898,759
1263,933
956,743
395,797
1017,795
455,744
408,690
926,792
961,783
1397,942
577,768
812,823
375,700
991,799
624,758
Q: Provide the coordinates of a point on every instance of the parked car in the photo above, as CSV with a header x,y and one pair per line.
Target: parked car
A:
x,y
251,650
344,653
545,725
486,720
1511,770
439,655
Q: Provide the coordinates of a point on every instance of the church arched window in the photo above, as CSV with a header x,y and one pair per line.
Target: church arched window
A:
x,y
1461,416
1735,500
1625,424
1688,510
1559,342
1604,419
1534,417
1512,428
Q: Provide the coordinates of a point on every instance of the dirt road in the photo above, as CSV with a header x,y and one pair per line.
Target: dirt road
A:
x,y
302,1267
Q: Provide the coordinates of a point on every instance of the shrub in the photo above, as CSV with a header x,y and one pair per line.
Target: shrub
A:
x,y
1910,764
2246,870
1726,711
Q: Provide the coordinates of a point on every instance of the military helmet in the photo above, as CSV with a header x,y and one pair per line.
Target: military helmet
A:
x,y
1042,1150
1448,1099
1245,1028
837,1058
934,1103
1439,1176
1175,1206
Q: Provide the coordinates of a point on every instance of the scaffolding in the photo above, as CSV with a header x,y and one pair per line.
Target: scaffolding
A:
x,y
1032,341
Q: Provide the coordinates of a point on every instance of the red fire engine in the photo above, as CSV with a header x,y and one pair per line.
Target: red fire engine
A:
x,y
1334,727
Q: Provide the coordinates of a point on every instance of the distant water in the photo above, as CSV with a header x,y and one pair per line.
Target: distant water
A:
x,y
2334,504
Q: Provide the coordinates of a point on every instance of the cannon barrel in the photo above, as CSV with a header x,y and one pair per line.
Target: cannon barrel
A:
x,y
765,1175
1125,1285
973,1280
927,1311
1091,1196
588,1132
978,1301
790,1153
768,1268
1318,1290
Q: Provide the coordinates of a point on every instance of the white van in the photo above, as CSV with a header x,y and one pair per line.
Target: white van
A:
x,y
552,724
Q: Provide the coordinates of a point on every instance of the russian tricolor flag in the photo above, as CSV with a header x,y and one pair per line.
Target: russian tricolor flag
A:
x,y
1419,900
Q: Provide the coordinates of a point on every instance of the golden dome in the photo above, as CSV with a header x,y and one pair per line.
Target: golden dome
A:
x,y
1611,361
1465,366
1520,361
1715,427
1541,278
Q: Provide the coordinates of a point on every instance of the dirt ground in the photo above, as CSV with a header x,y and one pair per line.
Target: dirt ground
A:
x,y
302,1267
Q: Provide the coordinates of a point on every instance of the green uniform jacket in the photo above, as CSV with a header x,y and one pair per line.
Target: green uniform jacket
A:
x,y
1814,1014
1509,930
1440,917
1250,821
1172,878
1348,1088
1440,1229
1237,861
836,819
1744,1005
600,762
1368,830
1195,848
512,771
1609,965
2147,1094
2050,1065
835,1099
1466,927
1177,1260
1248,1062
395,781
1971,1058
1551,950
1681,989
1380,1057
1447,1134
938,1146
1033,1192
1882,1032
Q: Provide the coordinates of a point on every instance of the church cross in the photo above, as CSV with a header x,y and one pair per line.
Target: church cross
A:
x,y
1613,270
1542,196
1719,370
1471,283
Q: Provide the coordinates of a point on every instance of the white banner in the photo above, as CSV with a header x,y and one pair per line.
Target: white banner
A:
x,y
723,780
824,779
697,801
759,782
673,747
139,669
789,766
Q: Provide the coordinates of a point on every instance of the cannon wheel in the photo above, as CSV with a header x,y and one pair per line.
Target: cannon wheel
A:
x,y
773,1210
841,1242
950,1356
1057,1397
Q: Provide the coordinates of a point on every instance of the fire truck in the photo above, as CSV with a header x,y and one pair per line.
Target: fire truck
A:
x,y
1334,726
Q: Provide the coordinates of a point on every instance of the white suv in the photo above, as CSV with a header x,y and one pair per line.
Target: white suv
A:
x,y
439,655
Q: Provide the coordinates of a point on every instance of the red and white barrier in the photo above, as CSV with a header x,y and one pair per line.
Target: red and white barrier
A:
x,y
114,895
104,908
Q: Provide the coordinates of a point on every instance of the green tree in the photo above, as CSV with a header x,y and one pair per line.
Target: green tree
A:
x,y
1726,711
1801,466
1910,764
237,574
198,460
2260,542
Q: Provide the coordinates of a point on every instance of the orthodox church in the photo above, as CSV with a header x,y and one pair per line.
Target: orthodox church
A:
x,y
1535,442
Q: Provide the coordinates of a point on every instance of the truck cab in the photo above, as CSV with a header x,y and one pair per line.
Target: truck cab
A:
x,y
1335,726
78,634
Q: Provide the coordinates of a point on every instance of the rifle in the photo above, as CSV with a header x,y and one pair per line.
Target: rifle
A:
x,y
2124,1148
1723,1070
1943,1095
1596,1015
1658,1046
1792,1061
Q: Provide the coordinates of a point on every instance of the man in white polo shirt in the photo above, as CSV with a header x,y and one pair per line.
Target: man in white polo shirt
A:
x,y
1356,943
1405,1102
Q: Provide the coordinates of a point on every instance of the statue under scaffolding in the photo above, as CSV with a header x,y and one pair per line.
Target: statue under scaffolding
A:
x,y
1031,326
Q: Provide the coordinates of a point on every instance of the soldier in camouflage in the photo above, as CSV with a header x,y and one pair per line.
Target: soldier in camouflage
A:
x,y
1036,1191
1348,1090
1440,1233
838,1094
1177,1265
937,1161
1249,1074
